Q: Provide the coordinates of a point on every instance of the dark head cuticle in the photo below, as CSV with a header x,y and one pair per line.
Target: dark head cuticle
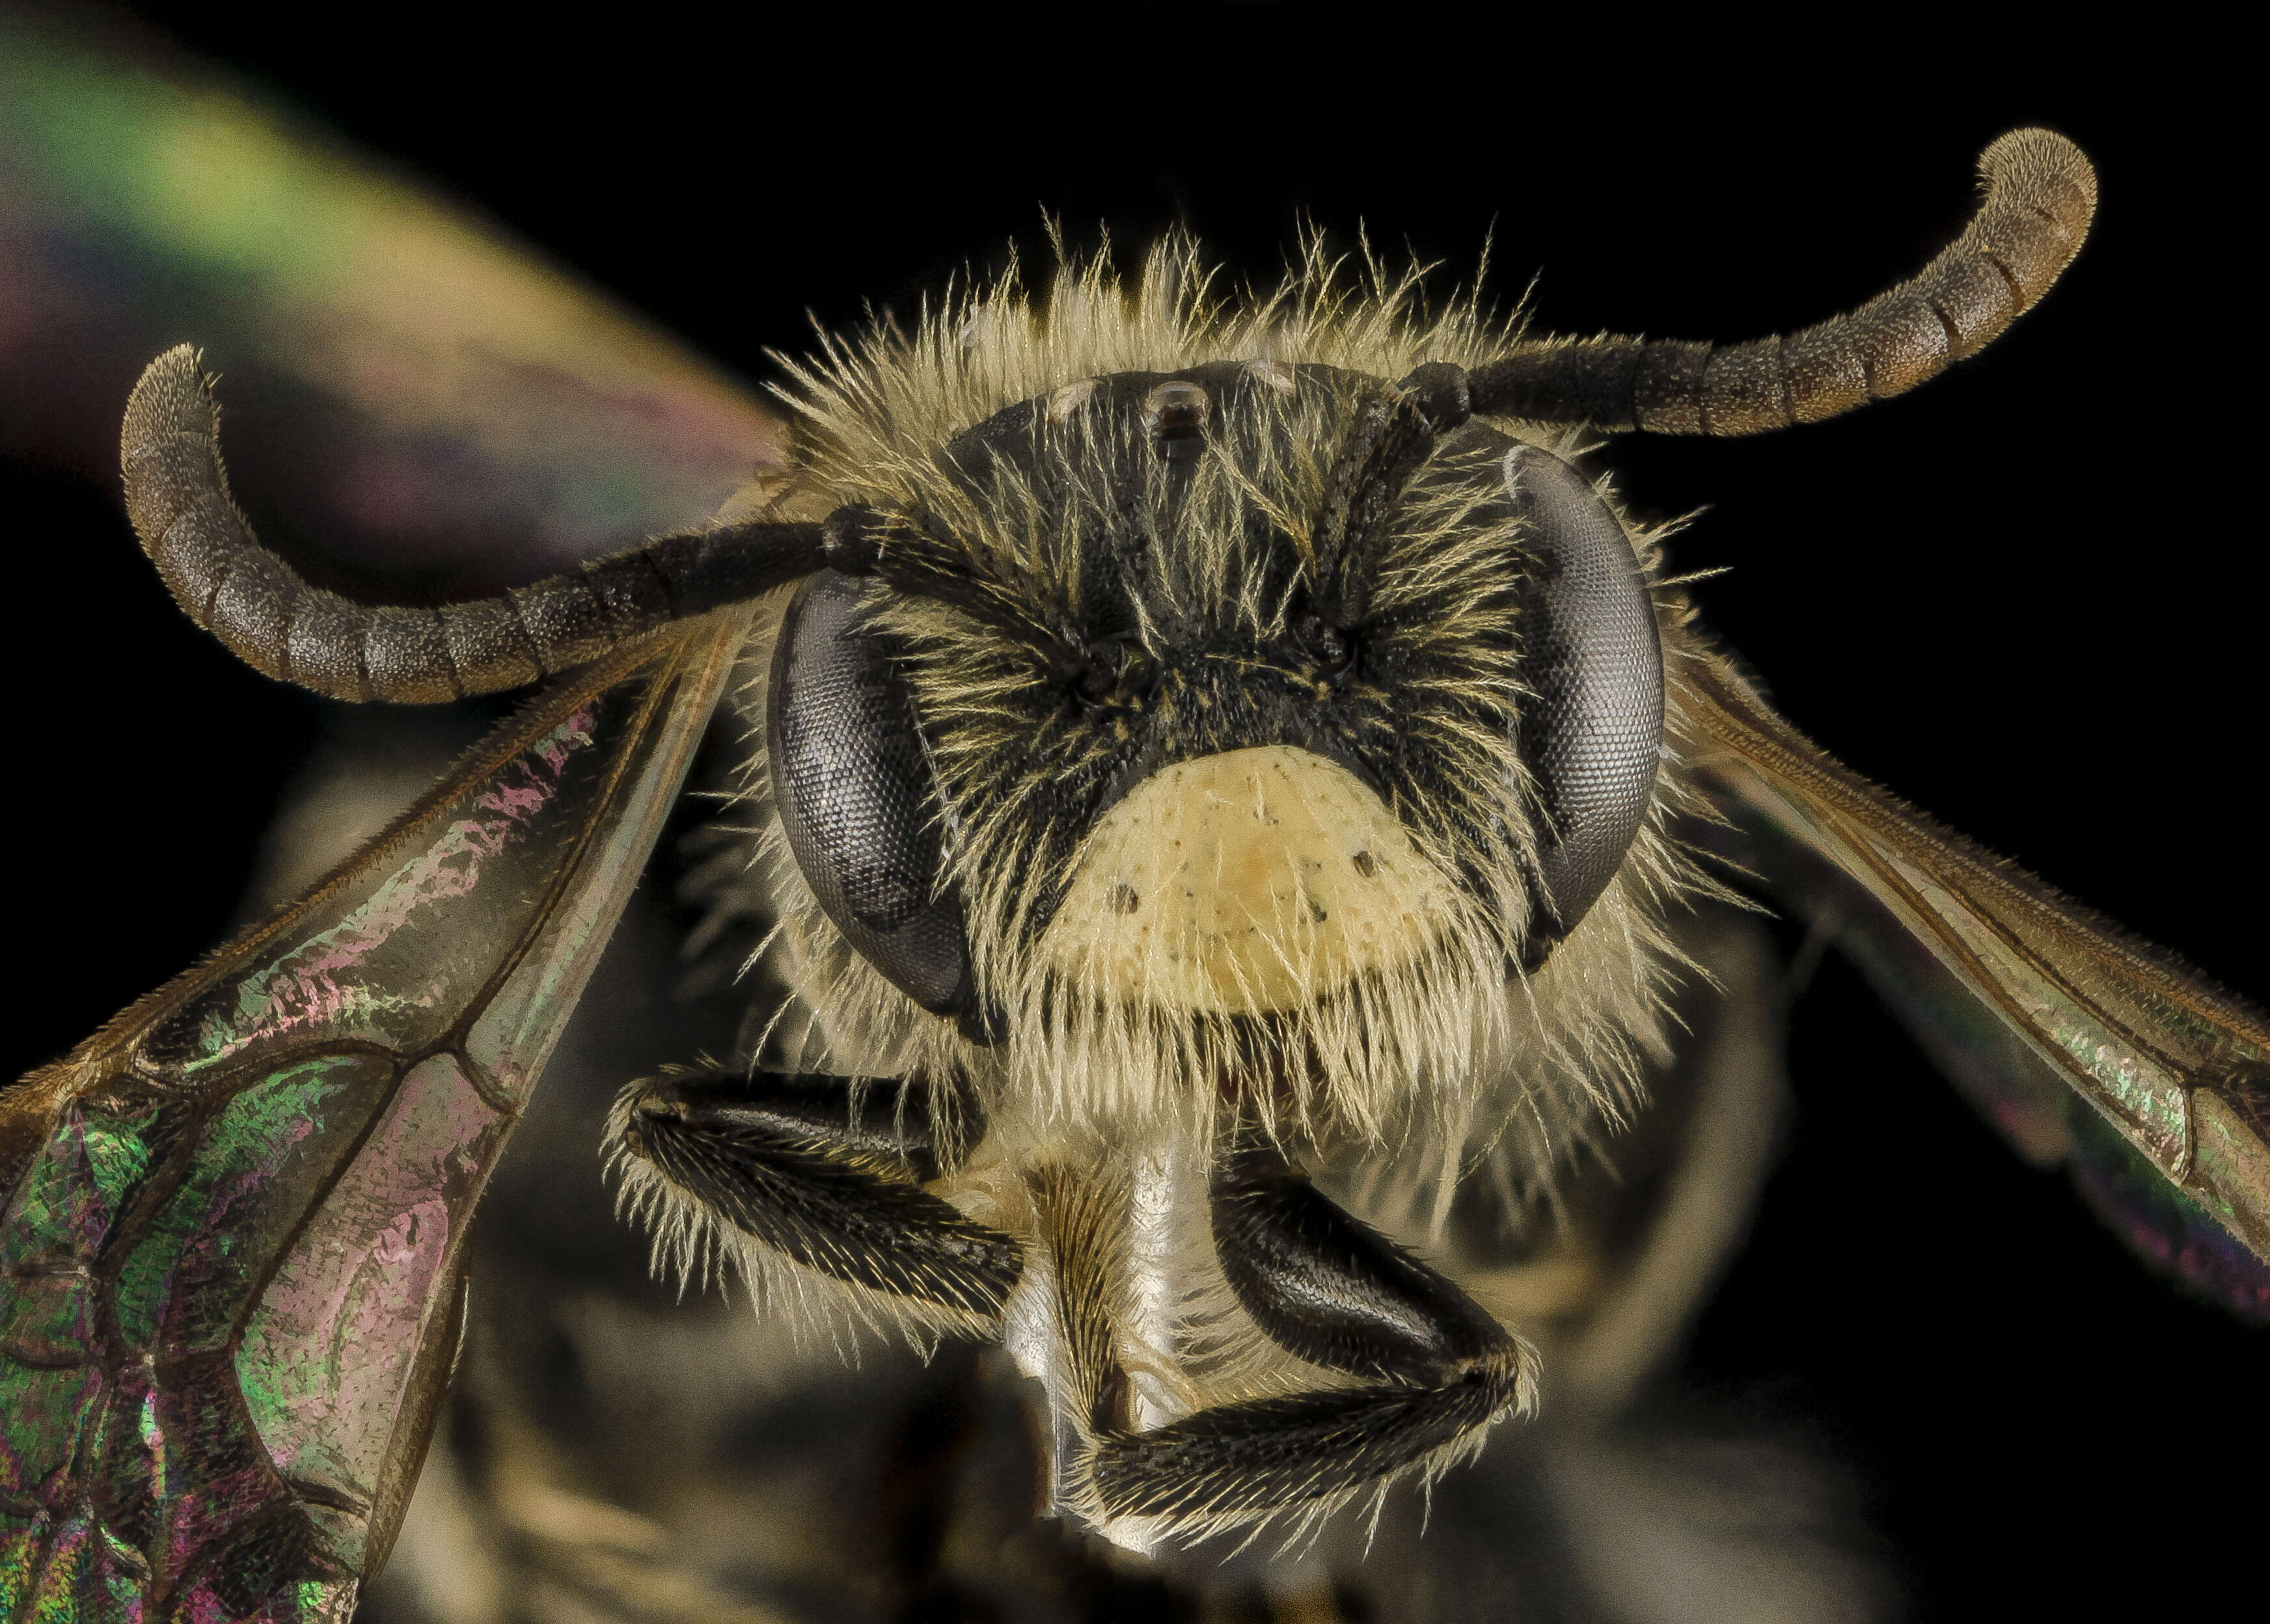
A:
x,y
1439,389
982,1027
1331,647
851,539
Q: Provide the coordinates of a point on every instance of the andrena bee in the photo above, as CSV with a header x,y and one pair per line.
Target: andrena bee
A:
x,y
1191,741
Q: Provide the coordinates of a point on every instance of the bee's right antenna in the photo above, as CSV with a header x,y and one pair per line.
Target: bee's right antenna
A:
x,y
249,597
2040,194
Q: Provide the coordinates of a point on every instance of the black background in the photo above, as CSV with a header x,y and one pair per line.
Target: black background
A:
x,y
2027,597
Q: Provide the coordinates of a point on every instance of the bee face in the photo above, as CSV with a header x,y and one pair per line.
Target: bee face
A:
x,y
1245,882
1210,702
1235,760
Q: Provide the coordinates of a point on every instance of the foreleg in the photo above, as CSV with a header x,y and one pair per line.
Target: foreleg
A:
x,y
789,1162
1436,1371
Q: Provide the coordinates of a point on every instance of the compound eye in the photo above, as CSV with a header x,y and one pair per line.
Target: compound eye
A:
x,y
856,795
1593,731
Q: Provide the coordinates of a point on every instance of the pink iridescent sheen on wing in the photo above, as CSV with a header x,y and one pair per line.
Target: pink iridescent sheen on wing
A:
x,y
232,1251
436,405
327,1421
386,971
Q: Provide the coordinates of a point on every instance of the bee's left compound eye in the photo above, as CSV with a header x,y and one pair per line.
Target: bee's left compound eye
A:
x,y
855,794
1593,730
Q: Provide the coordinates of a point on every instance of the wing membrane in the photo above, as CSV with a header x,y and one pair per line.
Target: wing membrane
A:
x,y
2180,1069
428,400
231,1264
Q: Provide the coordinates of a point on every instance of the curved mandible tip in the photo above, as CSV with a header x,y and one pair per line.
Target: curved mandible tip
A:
x,y
2039,193
225,580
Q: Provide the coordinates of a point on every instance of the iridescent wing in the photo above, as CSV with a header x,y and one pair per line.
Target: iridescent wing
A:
x,y
425,400
231,1255
231,1228
2025,999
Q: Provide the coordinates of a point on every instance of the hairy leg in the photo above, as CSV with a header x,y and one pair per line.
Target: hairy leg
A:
x,y
1434,1369
789,1161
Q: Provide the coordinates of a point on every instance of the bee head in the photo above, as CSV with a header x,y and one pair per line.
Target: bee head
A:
x,y
1249,727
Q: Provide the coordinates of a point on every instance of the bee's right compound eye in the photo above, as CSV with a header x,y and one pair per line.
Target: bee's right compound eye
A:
x,y
855,794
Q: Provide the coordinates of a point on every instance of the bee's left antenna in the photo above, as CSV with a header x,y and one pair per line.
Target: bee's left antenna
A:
x,y
229,583
2038,195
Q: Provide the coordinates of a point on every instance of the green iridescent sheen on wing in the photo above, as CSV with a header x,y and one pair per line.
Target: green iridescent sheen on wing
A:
x,y
1998,1019
184,1282
433,401
231,1269
2162,1224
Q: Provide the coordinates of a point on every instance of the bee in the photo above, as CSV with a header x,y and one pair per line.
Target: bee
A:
x,y
1190,745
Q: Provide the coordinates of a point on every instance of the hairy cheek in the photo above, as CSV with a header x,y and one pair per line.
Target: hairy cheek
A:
x,y
1250,881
